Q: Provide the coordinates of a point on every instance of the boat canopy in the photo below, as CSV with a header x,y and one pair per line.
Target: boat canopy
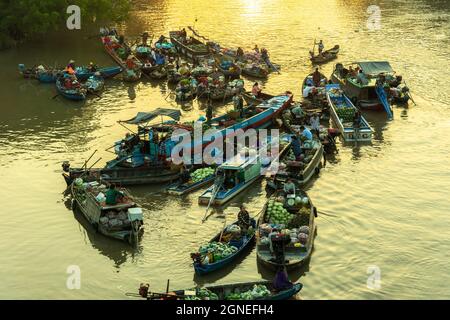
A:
x,y
375,67
144,117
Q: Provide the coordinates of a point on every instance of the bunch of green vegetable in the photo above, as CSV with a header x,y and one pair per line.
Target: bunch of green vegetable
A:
x,y
346,114
219,250
258,291
201,174
277,214
203,294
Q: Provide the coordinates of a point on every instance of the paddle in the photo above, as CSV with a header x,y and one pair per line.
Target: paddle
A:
x,y
410,96
55,96
86,162
223,229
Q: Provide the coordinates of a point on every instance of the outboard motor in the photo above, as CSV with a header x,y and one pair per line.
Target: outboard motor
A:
x,y
66,166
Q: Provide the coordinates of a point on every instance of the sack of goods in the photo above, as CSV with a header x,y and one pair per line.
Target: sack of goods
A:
x,y
258,291
218,250
201,174
115,220
277,214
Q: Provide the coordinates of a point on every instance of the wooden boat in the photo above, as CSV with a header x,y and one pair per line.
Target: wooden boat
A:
x,y
75,94
325,56
237,174
340,104
222,291
309,78
254,71
191,48
48,76
112,47
295,254
94,84
365,96
241,245
105,218
180,189
299,171
226,91
158,74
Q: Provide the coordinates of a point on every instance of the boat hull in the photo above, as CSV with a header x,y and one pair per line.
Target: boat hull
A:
x,y
179,190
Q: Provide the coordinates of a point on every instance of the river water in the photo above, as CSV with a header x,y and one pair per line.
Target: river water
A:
x,y
387,203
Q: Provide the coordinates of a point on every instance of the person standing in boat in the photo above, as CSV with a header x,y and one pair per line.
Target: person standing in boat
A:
x,y
113,196
317,78
209,111
320,46
296,147
243,219
239,52
315,124
256,49
238,103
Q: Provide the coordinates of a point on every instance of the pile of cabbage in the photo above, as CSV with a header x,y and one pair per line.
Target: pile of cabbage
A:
x,y
219,251
277,214
258,291
201,174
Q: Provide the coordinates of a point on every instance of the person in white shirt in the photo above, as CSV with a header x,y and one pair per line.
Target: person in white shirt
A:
x,y
307,91
315,123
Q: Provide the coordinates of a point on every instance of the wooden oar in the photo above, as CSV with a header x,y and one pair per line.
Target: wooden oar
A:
x,y
410,96
223,229
55,96
86,162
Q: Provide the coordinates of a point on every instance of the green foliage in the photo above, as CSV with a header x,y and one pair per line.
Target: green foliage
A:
x,y
25,19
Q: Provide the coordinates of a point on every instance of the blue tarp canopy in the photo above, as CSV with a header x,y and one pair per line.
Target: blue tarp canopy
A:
x,y
144,117
375,67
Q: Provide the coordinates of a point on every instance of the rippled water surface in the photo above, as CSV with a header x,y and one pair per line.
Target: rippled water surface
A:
x,y
387,203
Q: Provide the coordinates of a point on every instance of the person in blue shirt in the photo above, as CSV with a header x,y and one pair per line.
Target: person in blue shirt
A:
x,y
306,133
296,147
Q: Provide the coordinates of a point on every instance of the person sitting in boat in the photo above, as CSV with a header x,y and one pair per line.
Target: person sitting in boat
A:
x,y
305,133
316,77
296,147
130,63
70,69
297,111
361,78
320,46
244,221
256,49
256,90
281,281
309,90
92,67
289,187
185,176
67,83
183,33
352,72
113,196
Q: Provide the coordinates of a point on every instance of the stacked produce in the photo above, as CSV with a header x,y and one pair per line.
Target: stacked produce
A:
x,y
203,294
277,214
216,251
201,174
198,47
258,291
201,71
346,114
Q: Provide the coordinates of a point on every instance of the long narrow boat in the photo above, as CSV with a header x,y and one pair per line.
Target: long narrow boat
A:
x,y
342,112
191,48
244,242
298,223
325,56
309,79
76,94
227,66
224,291
301,171
111,47
123,221
239,173
83,73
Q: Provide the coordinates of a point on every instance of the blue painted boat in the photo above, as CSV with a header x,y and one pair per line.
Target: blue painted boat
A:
x,y
78,94
94,84
223,290
83,73
339,102
245,242
47,76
